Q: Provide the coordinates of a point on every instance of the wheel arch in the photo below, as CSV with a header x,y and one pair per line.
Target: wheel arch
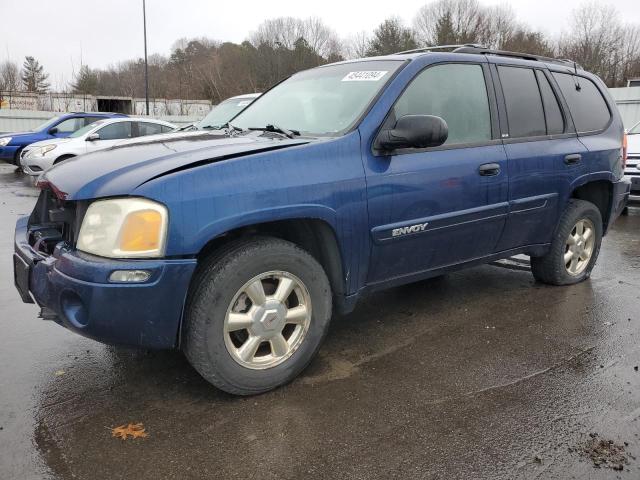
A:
x,y
65,156
597,189
315,235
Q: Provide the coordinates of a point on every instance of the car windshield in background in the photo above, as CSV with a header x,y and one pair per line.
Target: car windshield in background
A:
x,y
635,130
322,101
85,129
223,112
46,125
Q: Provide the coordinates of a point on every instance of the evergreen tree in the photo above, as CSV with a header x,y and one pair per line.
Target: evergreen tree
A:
x,y
391,37
33,77
86,81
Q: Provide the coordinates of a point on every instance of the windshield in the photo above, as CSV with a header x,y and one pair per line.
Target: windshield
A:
x,y
46,125
223,112
321,101
83,130
635,130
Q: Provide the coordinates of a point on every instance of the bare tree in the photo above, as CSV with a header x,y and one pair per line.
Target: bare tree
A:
x,y
601,43
9,76
357,45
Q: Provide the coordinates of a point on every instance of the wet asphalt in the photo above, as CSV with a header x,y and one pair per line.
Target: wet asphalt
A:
x,y
480,374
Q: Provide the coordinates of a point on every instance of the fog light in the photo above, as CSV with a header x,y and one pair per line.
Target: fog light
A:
x,y
129,276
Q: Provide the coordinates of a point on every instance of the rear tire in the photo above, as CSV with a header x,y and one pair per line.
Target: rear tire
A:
x,y
265,351
573,254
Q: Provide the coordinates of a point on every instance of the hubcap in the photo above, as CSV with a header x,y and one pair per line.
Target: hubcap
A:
x,y
579,247
267,320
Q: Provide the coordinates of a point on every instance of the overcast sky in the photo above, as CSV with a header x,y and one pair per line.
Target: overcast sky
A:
x,y
105,32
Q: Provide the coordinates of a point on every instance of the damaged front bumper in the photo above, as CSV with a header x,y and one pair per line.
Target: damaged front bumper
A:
x,y
76,288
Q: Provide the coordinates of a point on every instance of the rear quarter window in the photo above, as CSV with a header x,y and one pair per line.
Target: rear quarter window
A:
x,y
588,107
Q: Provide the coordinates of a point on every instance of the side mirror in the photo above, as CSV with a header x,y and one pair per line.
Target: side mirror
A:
x,y
93,137
413,131
53,131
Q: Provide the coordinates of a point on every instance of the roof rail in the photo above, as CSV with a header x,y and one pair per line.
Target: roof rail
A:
x,y
479,49
439,47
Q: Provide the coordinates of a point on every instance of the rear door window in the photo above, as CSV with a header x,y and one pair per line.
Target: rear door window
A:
x,y
147,128
525,113
586,103
115,131
553,113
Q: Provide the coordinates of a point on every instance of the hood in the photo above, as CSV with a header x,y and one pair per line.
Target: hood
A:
x,y
633,144
120,170
18,135
51,141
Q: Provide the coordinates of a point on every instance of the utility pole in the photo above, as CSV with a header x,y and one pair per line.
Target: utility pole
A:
x,y
146,67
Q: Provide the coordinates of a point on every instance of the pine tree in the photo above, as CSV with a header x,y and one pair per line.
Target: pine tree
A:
x,y
391,37
86,81
33,77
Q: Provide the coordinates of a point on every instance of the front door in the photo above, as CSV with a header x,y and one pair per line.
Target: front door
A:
x,y
439,206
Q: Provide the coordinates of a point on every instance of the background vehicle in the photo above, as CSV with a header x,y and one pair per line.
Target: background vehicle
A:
x,y
11,144
224,111
341,180
96,136
632,169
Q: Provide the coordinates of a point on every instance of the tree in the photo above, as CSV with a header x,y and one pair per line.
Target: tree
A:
x,y
602,44
33,77
357,45
9,76
86,81
391,37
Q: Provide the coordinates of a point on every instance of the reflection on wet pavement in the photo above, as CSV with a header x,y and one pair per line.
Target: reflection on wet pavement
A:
x,y
478,374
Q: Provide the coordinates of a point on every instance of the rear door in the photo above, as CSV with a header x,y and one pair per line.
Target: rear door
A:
x,y
593,120
435,207
142,129
543,151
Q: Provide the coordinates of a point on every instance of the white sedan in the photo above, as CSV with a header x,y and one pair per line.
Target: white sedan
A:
x,y
39,156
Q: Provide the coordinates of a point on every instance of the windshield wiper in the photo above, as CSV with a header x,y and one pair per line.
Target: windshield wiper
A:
x,y
277,129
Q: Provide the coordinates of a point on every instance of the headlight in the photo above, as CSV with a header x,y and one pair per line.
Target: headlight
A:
x,y
124,228
40,151
5,141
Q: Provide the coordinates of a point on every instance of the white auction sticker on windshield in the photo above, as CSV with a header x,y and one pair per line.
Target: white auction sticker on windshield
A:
x,y
365,76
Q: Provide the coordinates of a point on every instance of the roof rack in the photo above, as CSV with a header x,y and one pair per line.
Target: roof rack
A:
x,y
477,49
439,47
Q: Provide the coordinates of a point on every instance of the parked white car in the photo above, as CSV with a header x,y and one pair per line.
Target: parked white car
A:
x,y
39,156
223,112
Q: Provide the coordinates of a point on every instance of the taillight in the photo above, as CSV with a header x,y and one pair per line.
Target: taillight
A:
x,y
624,150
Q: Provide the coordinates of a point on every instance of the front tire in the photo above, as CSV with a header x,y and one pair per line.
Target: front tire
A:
x,y
574,248
256,315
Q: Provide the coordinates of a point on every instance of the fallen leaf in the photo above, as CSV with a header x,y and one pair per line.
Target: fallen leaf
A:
x,y
59,373
135,430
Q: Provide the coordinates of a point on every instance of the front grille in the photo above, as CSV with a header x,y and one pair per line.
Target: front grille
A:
x,y
51,222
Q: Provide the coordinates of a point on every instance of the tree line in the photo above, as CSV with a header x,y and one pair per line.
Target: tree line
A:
x,y
202,68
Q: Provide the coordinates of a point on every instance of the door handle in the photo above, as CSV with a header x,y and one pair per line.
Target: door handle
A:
x,y
489,169
573,159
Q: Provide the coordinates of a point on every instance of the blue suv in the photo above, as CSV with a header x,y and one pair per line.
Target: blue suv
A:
x,y
340,181
11,144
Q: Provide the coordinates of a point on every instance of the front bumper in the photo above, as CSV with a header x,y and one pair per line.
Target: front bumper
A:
x,y
8,153
76,288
